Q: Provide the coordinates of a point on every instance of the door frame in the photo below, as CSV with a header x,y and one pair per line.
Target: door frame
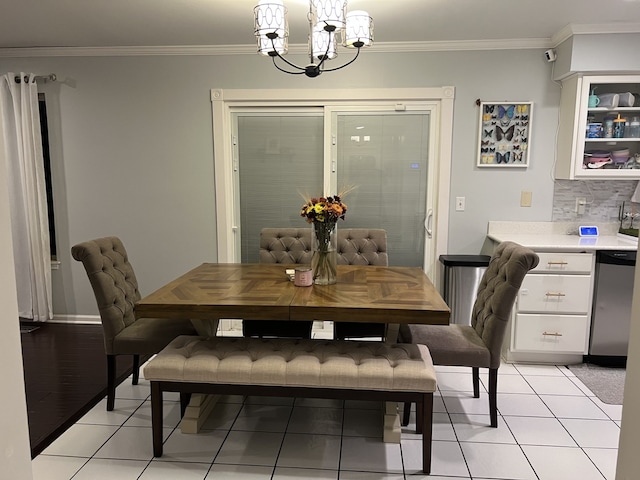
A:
x,y
224,101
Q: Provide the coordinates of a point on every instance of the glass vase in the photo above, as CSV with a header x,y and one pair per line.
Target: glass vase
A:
x,y
325,257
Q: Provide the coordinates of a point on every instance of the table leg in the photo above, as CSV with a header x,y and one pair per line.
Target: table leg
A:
x,y
197,412
391,332
200,406
205,328
392,430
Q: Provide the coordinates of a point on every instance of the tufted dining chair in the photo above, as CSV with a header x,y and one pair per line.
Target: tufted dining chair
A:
x,y
287,246
361,246
478,345
115,288
356,246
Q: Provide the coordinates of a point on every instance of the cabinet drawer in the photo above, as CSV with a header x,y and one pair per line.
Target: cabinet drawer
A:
x,y
555,293
551,333
562,262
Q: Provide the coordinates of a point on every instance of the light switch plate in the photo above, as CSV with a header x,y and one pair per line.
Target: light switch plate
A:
x,y
525,199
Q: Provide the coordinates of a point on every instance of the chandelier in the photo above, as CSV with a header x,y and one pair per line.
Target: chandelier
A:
x,y
329,25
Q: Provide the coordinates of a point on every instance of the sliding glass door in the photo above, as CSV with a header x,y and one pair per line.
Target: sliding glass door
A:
x,y
382,156
279,159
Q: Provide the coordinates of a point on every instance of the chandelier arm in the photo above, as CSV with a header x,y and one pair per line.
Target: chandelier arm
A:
x,y
301,72
277,54
345,65
325,56
288,63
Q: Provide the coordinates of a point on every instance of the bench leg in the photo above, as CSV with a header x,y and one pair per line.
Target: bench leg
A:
x,y
156,418
427,423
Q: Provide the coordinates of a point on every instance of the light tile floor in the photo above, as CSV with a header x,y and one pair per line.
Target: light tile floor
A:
x,y
551,427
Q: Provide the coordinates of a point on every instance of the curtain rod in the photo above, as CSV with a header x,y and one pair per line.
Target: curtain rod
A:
x,y
46,78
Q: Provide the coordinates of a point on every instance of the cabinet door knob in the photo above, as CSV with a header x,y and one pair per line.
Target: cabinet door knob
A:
x,y
547,334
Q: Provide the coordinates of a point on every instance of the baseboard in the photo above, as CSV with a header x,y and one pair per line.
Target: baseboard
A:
x,y
79,319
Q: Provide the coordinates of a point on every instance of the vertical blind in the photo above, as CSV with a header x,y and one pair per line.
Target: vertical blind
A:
x,y
383,155
280,159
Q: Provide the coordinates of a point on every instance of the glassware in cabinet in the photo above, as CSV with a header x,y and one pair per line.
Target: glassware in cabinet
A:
x,y
599,121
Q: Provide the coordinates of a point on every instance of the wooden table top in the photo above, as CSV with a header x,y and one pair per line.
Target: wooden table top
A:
x,y
264,292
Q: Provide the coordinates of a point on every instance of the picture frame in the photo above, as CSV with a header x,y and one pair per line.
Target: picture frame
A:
x,y
504,137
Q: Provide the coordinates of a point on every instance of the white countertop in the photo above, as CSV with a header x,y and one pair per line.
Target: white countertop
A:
x,y
568,243
550,236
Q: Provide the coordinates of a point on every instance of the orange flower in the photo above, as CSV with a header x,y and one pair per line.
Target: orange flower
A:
x,y
324,209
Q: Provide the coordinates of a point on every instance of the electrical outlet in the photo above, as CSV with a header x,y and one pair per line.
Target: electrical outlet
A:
x,y
460,204
580,205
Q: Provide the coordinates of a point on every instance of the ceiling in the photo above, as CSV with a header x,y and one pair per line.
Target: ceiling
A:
x,y
129,23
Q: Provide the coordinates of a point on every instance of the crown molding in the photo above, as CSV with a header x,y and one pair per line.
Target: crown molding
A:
x,y
463,45
209,50
127,51
383,47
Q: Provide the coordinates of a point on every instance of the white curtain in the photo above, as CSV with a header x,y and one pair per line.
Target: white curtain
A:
x,y
27,195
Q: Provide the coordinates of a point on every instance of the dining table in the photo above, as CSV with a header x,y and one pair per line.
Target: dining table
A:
x,y
362,293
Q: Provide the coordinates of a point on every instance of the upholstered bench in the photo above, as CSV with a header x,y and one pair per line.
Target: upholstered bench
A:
x,y
295,368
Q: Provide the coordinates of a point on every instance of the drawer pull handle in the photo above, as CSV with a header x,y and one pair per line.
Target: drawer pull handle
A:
x,y
557,263
547,334
555,294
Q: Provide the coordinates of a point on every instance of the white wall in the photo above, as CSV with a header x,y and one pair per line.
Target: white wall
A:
x,y
132,147
605,53
15,453
628,460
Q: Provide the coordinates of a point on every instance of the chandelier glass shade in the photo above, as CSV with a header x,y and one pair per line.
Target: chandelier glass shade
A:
x,y
272,27
329,25
323,44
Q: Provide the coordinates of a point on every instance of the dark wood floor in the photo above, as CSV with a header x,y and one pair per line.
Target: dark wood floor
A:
x,y
65,372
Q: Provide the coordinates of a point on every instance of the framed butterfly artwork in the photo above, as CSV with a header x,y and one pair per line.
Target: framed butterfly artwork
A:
x,y
505,134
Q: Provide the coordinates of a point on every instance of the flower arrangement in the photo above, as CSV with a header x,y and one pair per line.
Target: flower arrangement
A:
x,y
324,210
324,213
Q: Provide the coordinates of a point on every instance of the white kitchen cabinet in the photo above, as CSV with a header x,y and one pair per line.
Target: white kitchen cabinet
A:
x,y
575,115
550,333
550,319
554,293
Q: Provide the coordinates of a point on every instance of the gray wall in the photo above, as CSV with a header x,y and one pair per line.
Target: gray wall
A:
x,y
132,147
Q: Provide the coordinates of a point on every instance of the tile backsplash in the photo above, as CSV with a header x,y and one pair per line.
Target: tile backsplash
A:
x,y
603,199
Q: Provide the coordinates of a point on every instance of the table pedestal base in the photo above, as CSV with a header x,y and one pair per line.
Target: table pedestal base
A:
x,y
197,412
392,431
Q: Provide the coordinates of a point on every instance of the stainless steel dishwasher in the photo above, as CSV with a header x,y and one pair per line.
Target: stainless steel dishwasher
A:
x,y
611,315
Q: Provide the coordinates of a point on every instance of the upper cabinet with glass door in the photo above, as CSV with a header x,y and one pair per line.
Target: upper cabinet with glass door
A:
x,y
599,133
